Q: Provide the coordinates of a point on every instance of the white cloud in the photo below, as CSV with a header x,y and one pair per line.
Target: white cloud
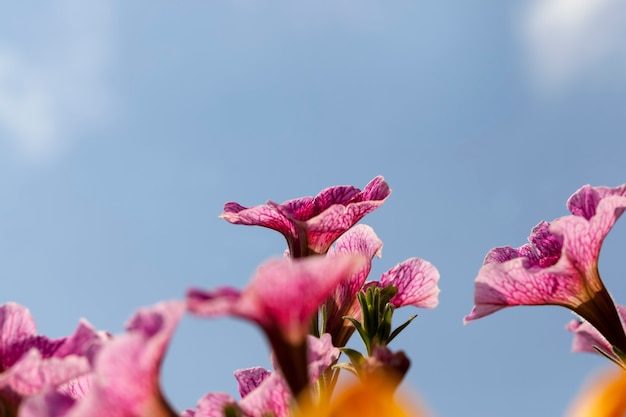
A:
x,y
569,41
53,85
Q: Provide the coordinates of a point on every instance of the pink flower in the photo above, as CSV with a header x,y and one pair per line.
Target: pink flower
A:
x,y
559,265
125,377
266,393
588,339
312,224
415,279
30,364
282,299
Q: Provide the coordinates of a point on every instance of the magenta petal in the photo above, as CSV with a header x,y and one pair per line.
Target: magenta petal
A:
x,y
211,405
50,404
219,302
341,215
514,283
416,280
267,216
583,238
361,239
250,378
271,397
16,328
313,224
126,370
586,336
583,202
559,266
31,374
321,354
275,298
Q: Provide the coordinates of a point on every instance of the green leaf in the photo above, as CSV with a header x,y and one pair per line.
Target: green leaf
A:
x,y
400,328
362,333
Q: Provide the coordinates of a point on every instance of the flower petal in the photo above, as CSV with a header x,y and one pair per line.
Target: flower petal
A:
x,y
312,224
126,372
275,298
416,280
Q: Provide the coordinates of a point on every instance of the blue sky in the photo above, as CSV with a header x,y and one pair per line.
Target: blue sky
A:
x,y
125,126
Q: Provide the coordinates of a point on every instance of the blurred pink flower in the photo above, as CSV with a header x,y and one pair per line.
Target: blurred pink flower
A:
x,y
312,224
30,363
266,393
282,299
125,377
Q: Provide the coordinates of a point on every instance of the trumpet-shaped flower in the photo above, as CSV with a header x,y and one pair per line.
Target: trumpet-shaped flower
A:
x,y
415,279
312,224
125,377
559,265
282,299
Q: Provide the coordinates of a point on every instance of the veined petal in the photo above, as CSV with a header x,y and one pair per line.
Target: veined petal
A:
x,y
271,396
249,379
32,373
361,239
416,280
311,224
266,215
17,326
514,283
583,202
582,238
558,266
587,338
321,354
340,214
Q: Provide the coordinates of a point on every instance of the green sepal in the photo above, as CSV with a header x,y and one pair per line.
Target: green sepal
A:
x,y
356,357
384,327
609,357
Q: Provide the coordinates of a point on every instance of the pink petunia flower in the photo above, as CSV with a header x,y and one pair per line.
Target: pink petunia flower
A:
x,y
312,224
282,299
30,363
266,393
415,279
125,377
559,265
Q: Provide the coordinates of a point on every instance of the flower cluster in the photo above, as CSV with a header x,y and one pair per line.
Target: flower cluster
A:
x,y
309,304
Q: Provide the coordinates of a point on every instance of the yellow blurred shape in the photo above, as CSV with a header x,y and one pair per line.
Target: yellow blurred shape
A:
x,y
603,396
372,398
